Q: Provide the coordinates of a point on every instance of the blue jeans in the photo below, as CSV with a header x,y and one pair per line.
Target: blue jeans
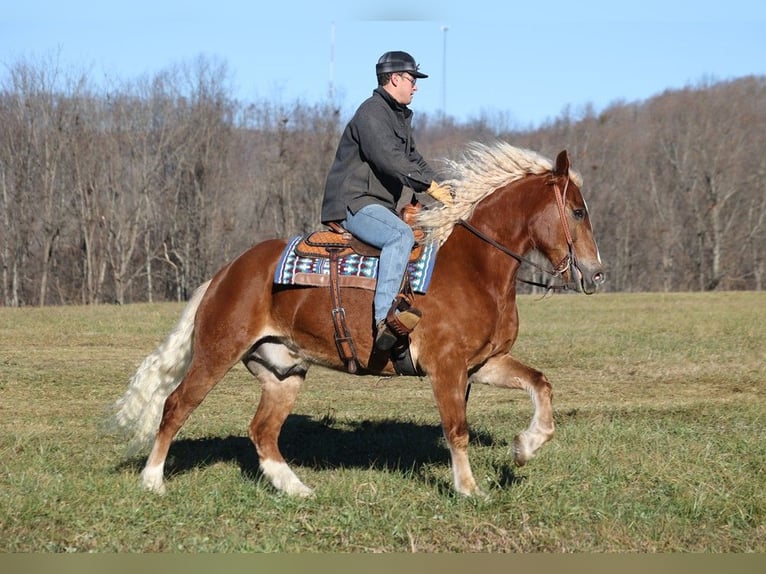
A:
x,y
381,227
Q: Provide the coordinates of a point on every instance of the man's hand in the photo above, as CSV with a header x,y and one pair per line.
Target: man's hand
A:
x,y
440,193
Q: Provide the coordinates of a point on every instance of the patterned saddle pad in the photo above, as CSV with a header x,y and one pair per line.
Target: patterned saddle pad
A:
x,y
354,270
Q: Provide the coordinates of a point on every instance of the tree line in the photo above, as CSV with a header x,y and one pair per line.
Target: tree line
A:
x,y
141,191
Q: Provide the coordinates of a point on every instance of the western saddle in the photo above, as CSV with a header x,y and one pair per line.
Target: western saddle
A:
x,y
337,242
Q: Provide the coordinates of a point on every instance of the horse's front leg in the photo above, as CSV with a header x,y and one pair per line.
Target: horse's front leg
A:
x,y
450,399
505,371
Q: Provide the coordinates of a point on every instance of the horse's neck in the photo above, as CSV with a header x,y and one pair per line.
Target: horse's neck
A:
x,y
504,216
478,258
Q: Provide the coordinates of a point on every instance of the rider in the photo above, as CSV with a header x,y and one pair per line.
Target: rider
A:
x,y
376,158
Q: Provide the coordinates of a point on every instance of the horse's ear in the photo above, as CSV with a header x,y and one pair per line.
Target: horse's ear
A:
x,y
562,164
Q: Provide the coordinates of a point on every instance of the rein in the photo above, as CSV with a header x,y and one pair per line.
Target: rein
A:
x,y
565,263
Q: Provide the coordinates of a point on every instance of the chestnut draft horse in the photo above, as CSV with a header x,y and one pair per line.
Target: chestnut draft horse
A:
x,y
507,202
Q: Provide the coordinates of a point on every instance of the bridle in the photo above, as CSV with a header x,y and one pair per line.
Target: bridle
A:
x,y
564,265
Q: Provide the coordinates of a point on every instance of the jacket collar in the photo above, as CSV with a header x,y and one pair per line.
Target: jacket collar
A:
x,y
392,103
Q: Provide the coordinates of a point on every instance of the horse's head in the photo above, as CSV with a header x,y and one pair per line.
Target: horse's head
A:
x,y
563,232
515,200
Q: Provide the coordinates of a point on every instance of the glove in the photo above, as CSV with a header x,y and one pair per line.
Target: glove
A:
x,y
440,193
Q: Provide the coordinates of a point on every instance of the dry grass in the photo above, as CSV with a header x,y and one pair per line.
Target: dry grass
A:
x,y
660,443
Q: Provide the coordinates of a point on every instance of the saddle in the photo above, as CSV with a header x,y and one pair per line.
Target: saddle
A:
x,y
337,242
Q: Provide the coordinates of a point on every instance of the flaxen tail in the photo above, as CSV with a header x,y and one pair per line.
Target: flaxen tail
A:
x,y
138,412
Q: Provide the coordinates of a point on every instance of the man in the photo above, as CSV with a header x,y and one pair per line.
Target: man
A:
x,y
376,158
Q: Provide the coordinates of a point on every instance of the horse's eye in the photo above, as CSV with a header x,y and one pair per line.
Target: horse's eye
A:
x,y
579,214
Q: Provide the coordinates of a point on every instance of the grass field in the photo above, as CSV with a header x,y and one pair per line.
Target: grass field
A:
x,y
660,404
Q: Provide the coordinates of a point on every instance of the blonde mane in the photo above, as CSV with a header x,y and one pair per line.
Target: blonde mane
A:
x,y
480,171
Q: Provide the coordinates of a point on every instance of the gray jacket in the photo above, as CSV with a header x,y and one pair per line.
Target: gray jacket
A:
x,y
376,158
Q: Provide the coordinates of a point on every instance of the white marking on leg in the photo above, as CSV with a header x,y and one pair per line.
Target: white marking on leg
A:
x,y
528,442
462,474
152,478
284,479
523,450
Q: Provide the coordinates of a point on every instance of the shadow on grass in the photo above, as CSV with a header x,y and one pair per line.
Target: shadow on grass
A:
x,y
387,445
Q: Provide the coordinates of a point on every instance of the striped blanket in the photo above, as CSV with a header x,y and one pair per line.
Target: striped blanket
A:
x,y
354,270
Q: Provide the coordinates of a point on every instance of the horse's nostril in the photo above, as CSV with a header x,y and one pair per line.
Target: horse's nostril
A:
x,y
599,278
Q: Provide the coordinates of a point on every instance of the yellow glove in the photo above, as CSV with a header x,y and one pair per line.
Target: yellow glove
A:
x,y
440,193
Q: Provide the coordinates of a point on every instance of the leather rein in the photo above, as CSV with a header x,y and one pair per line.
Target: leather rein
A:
x,y
566,263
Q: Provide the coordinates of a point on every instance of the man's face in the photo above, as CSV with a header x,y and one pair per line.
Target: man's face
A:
x,y
403,87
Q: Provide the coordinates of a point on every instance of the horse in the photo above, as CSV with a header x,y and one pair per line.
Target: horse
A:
x,y
507,202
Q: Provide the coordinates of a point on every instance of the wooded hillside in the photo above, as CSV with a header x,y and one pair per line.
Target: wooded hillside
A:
x,y
141,192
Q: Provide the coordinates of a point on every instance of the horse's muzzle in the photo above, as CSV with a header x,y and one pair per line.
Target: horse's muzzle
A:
x,y
587,278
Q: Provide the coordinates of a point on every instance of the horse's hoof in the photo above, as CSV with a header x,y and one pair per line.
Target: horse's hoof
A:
x,y
155,488
300,491
479,494
521,454
152,481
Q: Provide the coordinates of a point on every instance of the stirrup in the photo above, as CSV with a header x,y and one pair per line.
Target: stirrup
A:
x,y
403,322
396,325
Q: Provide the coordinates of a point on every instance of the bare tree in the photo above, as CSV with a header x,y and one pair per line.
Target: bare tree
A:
x,y
143,190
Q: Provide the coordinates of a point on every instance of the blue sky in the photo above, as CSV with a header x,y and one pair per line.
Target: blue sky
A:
x,y
524,62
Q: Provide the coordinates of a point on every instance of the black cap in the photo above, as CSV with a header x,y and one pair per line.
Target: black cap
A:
x,y
398,62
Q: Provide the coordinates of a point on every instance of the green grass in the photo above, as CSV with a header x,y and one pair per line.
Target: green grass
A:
x,y
660,444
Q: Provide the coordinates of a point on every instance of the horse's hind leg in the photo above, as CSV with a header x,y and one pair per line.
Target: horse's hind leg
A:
x,y
277,400
505,371
178,406
282,374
